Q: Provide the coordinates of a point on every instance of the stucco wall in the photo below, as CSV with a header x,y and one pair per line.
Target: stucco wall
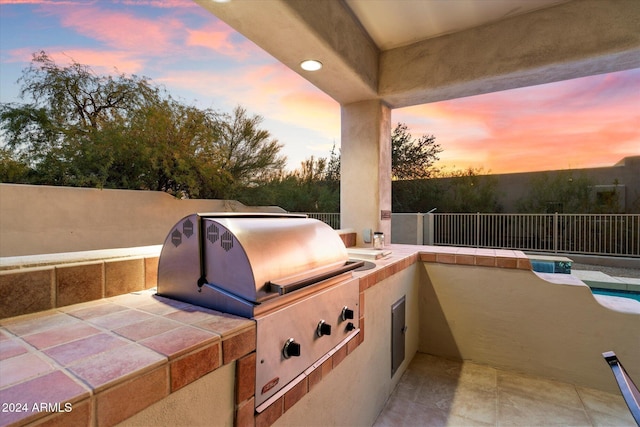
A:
x,y
513,319
407,228
356,390
40,219
512,187
205,402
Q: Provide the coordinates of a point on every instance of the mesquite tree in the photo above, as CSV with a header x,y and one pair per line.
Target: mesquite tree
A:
x,y
412,158
79,128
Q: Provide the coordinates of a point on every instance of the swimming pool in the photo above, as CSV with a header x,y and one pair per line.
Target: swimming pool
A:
x,y
616,293
551,266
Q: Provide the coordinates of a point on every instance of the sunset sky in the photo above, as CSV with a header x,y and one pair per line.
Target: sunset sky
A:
x,y
587,122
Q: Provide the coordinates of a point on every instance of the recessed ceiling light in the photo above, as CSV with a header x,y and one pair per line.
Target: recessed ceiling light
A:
x,y
221,1
311,65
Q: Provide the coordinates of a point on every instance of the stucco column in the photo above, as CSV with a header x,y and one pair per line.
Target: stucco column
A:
x,y
365,169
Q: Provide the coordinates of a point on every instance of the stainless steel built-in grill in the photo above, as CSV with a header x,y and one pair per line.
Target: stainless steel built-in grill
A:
x,y
290,273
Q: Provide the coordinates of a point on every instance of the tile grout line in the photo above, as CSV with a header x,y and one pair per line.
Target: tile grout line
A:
x,y
584,407
496,401
102,330
57,368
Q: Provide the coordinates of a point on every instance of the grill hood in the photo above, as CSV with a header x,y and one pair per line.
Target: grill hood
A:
x,y
248,258
289,273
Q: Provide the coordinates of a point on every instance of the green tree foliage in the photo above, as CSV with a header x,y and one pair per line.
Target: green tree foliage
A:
x,y
69,105
11,169
247,154
78,98
166,148
469,190
333,167
84,129
560,192
315,186
415,195
460,191
412,158
310,188
413,190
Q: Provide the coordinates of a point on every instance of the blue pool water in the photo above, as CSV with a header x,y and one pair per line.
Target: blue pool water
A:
x,y
624,294
544,266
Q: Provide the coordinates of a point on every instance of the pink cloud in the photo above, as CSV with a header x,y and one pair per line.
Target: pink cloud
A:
x,y
574,124
283,95
102,62
271,90
121,30
165,4
18,55
162,38
47,2
523,148
218,38
127,40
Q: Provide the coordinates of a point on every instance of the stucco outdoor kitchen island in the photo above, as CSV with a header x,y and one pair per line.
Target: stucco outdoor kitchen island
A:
x,y
140,359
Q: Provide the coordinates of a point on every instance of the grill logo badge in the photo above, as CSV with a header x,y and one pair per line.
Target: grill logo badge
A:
x,y
187,228
176,238
271,384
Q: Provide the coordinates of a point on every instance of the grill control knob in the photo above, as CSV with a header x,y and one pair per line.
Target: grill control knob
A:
x,y
291,348
323,328
350,326
347,313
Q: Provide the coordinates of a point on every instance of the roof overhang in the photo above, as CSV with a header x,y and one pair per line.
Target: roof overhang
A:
x,y
558,41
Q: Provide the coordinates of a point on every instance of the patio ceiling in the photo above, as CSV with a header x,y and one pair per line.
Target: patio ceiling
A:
x,y
393,24
412,52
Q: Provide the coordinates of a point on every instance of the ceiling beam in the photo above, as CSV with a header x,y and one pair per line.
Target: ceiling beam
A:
x,y
570,40
292,31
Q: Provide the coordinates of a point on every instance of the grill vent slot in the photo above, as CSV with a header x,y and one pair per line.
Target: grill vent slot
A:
x,y
187,228
213,233
227,241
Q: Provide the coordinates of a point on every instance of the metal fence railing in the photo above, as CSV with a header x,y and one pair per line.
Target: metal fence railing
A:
x,y
609,234
333,219
590,234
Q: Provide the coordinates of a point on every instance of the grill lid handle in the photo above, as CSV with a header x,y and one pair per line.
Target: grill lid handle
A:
x,y
203,265
282,287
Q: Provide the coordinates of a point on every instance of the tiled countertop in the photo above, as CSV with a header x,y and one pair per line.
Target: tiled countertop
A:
x,y
85,353
404,255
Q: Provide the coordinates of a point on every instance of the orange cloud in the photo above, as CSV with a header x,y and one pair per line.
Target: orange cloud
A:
x,y
579,123
271,90
218,38
316,109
